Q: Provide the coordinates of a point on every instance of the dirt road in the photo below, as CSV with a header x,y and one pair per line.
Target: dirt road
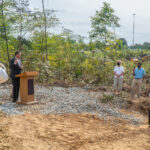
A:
x,y
70,132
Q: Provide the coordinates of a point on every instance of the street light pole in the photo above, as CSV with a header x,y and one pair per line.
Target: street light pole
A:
x,y
134,28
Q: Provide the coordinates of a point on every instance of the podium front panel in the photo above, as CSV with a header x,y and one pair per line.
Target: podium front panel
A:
x,y
30,87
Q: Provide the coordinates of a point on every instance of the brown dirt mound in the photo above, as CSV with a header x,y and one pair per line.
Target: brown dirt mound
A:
x,y
72,132
140,104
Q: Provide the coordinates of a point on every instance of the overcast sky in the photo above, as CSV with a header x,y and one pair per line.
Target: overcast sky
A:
x,y
75,15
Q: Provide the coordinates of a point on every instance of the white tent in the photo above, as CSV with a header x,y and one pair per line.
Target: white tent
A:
x,y
3,74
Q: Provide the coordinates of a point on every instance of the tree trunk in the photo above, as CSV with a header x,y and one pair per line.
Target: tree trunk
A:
x,y
105,59
5,32
42,48
21,27
45,29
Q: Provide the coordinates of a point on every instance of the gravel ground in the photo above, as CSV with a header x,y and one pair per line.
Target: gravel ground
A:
x,y
58,100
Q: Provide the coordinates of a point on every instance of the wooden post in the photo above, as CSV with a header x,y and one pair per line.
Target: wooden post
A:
x,y
27,87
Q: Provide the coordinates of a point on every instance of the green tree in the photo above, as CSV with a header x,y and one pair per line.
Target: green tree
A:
x,y
124,42
103,27
6,23
103,24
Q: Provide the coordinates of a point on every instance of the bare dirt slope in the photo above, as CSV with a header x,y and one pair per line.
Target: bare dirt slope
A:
x,y
70,132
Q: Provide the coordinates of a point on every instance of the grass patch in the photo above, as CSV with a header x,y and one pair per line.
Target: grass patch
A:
x,y
107,98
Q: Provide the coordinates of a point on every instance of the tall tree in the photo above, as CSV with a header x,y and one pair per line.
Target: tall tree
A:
x,y
45,28
124,42
103,24
5,22
25,20
4,30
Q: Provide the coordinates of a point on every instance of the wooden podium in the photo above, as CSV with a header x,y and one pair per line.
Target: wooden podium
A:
x,y
27,87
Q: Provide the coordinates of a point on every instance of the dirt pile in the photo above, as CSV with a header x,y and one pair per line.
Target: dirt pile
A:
x,y
73,132
141,105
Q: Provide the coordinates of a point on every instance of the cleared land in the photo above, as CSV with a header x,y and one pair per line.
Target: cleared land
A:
x,y
70,132
73,119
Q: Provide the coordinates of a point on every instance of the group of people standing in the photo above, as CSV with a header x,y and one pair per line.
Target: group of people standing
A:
x,y
138,73
16,68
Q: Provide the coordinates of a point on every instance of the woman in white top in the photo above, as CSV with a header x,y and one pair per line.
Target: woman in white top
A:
x,y
3,74
118,77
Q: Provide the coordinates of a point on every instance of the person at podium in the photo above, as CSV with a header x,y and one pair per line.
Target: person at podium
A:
x,y
16,68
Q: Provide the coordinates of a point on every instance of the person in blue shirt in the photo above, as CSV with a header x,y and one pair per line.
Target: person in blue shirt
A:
x,y
139,74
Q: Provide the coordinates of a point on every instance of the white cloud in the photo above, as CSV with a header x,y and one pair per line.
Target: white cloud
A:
x,y
75,15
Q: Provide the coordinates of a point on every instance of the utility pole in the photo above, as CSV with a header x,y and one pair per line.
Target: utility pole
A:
x,y
134,28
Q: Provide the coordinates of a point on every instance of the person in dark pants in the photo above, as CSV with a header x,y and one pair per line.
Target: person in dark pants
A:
x,y
16,68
